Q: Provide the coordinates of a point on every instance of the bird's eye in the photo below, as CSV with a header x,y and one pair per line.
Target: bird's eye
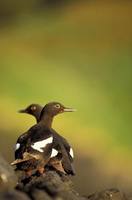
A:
x,y
57,106
33,108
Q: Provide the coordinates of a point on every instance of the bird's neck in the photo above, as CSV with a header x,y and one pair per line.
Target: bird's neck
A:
x,y
46,120
37,116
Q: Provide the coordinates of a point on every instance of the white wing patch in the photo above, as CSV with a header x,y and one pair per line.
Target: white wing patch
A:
x,y
71,153
54,153
42,144
17,146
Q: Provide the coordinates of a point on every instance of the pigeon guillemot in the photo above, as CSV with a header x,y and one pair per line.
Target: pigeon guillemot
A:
x,y
35,110
40,144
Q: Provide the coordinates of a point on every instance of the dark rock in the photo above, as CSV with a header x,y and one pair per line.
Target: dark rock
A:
x,y
7,175
50,186
13,195
40,195
108,194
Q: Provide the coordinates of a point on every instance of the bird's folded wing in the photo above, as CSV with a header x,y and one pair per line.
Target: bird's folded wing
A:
x,y
40,145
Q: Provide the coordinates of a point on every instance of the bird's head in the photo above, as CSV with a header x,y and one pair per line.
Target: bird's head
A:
x,y
32,109
54,108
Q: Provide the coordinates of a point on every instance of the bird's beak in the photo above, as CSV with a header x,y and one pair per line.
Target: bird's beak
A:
x,y
22,111
69,110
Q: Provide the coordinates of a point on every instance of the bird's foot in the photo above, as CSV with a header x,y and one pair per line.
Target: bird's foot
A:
x,y
28,173
40,170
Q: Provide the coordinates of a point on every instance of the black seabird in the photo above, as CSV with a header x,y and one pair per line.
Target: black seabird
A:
x,y
35,110
40,144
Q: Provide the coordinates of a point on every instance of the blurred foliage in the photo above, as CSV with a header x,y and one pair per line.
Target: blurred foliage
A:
x,y
78,54
10,10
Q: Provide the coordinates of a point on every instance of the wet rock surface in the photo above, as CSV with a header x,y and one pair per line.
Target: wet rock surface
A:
x,y
48,186
7,175
108,194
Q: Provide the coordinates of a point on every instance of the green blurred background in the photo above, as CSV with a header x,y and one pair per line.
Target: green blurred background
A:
x,y
78,53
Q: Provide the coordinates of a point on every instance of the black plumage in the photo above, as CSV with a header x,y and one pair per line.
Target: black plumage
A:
x,y
35,110
29,157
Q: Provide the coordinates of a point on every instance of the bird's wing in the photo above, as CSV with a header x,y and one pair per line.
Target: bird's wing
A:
x,y
67,146
32,140
20,145
40,140
66,162
35,142
42,144
67,154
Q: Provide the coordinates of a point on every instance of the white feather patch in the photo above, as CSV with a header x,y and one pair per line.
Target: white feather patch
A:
x,y
42,144
54,153
71,153
17,146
